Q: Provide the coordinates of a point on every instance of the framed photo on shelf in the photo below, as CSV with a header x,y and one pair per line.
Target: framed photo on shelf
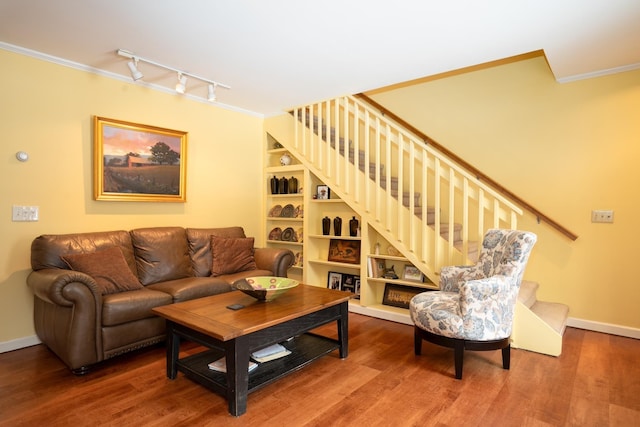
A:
x,y
334,280
344,282
412,273
398,295
323,192
347,251
377,267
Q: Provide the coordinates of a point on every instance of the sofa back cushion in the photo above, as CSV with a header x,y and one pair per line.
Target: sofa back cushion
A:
x,y
161,254
200,246
47,249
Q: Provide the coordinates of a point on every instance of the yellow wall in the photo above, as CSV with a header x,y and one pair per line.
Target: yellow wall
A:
x,y
564,148
47,109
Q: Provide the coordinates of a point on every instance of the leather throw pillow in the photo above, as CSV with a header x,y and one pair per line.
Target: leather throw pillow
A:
x,y
107,267
232,254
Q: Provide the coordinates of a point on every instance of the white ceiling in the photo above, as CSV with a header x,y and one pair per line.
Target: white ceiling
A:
x,y
277,54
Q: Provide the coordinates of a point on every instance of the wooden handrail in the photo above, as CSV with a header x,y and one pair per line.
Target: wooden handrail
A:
x,y
479,175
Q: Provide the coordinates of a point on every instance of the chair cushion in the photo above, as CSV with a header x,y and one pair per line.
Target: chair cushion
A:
x,y
107,267
231,255
438,312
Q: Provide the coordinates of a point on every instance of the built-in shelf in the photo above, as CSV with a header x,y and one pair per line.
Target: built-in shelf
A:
x,y
284,242
325,236
425,285
334,264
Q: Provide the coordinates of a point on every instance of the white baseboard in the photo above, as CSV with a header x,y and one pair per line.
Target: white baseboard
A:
x,y
19,343
607,328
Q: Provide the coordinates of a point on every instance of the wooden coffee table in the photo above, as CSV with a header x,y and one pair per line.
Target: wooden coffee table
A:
x,y
235,334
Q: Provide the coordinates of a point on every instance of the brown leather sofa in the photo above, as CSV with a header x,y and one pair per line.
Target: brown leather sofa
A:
x,y
83,325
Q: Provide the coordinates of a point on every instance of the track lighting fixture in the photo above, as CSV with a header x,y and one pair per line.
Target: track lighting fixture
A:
x,y
181,86
133,67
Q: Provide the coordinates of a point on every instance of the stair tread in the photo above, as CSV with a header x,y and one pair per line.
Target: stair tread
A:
x,y
527,294
553,313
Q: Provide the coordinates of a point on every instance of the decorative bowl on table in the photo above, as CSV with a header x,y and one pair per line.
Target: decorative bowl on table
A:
x,y
265,288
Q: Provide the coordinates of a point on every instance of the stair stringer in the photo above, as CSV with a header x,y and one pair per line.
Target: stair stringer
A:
x,y
532,333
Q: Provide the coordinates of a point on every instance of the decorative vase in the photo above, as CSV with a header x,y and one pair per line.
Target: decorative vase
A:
x,y
337,226
274,185
326,225
285,160
293,185
283,185
353,227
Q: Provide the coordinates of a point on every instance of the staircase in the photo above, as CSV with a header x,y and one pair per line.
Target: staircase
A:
x,y
428,207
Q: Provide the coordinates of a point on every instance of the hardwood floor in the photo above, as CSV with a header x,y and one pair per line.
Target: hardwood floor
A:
x,y
595,382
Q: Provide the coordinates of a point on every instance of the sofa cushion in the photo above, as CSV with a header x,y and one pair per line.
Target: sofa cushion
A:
x,y
200,246
47,249
192,287
126,307
231,255
162,254
107,267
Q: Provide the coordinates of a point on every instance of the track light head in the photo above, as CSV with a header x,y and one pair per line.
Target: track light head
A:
x,y
133,67
181,87
212,93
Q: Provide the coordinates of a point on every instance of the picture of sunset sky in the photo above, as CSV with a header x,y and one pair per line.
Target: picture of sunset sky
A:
x,y
119,142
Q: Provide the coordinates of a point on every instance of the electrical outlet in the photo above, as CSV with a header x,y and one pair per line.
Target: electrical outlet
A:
x,y
25,213
602,216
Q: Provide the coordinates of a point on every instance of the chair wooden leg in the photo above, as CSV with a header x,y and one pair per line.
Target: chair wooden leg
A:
x,y
417,341
506,357
458,356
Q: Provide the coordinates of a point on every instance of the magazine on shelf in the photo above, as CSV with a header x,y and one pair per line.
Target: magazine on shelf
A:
x,y
272,352
220,365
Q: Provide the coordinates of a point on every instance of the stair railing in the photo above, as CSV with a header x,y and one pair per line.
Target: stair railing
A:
x,y
427,206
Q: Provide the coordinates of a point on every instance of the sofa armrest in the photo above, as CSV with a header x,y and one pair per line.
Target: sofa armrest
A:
x,y
67,315
51,285
275,259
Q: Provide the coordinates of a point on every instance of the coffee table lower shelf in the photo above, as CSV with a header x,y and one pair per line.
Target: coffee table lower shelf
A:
x,y
304,349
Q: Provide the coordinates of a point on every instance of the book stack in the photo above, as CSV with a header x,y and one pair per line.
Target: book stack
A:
x,y
220,365
272,352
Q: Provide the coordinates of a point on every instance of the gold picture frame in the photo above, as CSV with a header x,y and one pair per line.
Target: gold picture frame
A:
x,y
138,163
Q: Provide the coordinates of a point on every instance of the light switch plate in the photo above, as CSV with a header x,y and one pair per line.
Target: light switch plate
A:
x,y
25,213
602,216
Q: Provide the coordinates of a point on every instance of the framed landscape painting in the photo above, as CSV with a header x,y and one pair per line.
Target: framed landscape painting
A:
x,y
140,163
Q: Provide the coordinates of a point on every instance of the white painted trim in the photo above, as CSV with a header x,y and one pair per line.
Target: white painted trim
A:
x,y
599,73
607,328
86,68
381,314
19,343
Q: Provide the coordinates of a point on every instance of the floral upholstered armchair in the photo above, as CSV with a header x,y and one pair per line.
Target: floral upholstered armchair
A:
x,y
474,308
